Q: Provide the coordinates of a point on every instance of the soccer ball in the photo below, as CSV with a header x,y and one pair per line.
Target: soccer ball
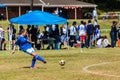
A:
x,y
62,62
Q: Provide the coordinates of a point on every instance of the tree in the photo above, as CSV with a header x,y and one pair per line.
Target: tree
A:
x,y
105,4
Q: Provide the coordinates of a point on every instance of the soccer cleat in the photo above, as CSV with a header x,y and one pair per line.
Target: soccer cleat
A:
x,y
44,62
34,67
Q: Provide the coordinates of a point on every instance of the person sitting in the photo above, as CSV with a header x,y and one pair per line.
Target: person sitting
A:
x,y
105,42
100,42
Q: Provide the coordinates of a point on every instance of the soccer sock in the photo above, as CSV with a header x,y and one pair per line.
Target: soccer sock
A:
x,y
5,46
39,58
33,62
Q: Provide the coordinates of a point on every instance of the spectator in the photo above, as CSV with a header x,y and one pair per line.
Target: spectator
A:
x,y
11,35
94,14
63,37
20,28
96,34
106,42
82,34
28,31
39,39
95,23
50,38
90,33
113,34
33,33
2,38
118,32
56,33
100,42
73,32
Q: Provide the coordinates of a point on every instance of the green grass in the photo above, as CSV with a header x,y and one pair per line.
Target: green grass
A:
x,y
14,67
105,25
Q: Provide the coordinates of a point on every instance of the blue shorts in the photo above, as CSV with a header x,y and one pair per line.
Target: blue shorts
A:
x,y
30,51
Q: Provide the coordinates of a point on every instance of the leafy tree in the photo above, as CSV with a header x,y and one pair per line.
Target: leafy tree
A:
x,y
105,4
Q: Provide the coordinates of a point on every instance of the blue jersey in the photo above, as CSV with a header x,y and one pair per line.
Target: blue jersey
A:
x,y
23,43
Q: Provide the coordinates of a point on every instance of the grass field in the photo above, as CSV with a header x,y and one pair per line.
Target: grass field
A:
x,y
15,67
92,64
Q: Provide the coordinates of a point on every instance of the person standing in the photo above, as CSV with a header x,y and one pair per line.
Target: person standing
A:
x,y
94,14
63,37
11,34
28,31
113,34
2,38
33,33
118,32
82,34
90,33
72,34
57,39
26,47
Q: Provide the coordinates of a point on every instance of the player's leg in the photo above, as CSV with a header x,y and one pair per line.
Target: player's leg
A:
x,y
32,52
33,62
38,57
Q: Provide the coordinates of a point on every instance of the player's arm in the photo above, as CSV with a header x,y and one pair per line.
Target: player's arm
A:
x,y
30,42
14,48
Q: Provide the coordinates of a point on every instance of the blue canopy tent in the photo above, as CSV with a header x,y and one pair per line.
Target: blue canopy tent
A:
x,y
2,5
38,18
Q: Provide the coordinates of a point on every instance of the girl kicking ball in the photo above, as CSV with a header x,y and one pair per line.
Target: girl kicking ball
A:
x,y
25,46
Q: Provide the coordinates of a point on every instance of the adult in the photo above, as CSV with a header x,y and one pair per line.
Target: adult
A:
x,y
113,34
57,39
90,33
94,14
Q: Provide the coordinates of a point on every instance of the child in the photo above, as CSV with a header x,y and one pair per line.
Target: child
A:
x,y
25,46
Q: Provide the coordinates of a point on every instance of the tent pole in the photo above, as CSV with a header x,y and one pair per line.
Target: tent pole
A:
x,y
42,8
9,38
67,37
7,13
68,40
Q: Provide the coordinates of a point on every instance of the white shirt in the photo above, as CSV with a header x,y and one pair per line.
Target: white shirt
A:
x,y
99,43
1,33
82,30
40,35
95,23
105,42
72,31
53,27
94,13
47,29
64,30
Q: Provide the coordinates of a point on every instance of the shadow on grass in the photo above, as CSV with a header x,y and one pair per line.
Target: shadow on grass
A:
x,y
28,67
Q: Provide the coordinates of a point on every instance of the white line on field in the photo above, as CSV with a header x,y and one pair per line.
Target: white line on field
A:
x,y
97,73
